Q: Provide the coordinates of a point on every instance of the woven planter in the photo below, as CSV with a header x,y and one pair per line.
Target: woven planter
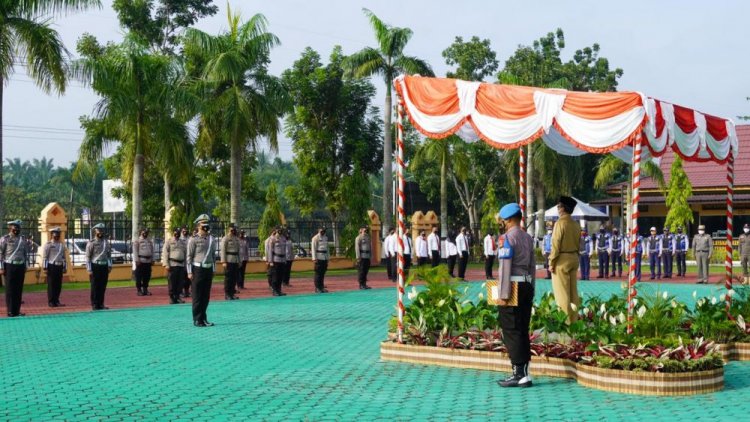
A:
x,y
735,351
645,383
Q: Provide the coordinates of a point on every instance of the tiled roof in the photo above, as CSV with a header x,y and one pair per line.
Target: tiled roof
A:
x,y
695,199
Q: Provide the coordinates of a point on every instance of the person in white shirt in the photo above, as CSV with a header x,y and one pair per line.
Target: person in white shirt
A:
x,y
462,244
433,244
389,248
423,253
489,255
452,252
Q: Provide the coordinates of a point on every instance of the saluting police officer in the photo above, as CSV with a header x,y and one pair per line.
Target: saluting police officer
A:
x,y
200,267
276,257
517,250
362,247
143,259
173,259
319,247
230,260
54,265
13,262
98,265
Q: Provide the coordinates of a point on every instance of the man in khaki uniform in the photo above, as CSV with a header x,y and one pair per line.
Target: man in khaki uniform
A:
x,y
143,259
230,261
703,246
563,260
744,243
362,248
173,259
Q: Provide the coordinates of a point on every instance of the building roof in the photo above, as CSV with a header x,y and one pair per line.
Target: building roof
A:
x,y
695,199
708,175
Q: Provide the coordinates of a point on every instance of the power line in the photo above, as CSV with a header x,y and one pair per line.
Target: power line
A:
x,y
19,128
42,139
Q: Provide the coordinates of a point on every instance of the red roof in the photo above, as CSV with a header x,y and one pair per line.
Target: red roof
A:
x,y
695,199
709,174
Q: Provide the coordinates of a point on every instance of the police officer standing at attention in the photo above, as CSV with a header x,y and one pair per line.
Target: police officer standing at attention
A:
x,y
289,257
173,258
362,247
546,250
639,254
666,252
276,256
319,246
230,261
615,252
54,265
703,246
652,251
143,259
269,258
433,244
244,257
602,251
744,249
518,251
587,249
423,252
462,243
489,254
98,264
201,250
681,246
185,236
13,261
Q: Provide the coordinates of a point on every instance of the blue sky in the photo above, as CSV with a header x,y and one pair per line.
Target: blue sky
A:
x,y
692,53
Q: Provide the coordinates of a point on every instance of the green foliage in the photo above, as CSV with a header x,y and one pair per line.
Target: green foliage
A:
x,y
679,190
271,216
490,209
659,318
651,364
356,190
474,59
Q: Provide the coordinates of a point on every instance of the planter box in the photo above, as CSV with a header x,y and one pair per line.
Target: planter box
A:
x,y
735,351
645,383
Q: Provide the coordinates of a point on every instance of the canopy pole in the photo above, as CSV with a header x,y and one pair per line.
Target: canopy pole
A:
x,y
522,184
730,215
401,227
632,292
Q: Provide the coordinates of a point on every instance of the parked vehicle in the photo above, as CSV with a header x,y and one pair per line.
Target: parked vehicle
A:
x,y
77,248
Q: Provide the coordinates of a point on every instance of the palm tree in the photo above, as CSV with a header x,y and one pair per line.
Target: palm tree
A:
x,y
28,40
438,151
242,102
137,90
387,60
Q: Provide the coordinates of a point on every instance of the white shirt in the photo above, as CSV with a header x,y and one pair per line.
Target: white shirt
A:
x,y
433,242
489,246
422,251
390,242
462,243
451,249
407,244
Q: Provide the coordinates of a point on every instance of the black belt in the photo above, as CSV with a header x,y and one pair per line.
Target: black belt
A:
x,y
232,253
280,255
145,256
179,261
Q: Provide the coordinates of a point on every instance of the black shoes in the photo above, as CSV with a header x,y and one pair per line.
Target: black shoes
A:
x,y
99,308
140,292
520,377
146,292
323,290
10,315
278,293
364,287
203,324
229,297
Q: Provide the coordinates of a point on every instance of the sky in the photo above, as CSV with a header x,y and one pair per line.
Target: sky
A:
x,y
692,53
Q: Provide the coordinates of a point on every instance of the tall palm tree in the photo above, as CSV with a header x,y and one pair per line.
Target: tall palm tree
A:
x,y
27,39
241,101
137,91
387,60
438,151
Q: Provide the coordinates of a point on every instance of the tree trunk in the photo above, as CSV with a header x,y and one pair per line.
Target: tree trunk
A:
x,y
444,197
529,189
2,185
167,200
473,219
235,183
137,219
386,217
335,233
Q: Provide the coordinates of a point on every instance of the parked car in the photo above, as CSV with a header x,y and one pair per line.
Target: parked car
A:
x,y
77,248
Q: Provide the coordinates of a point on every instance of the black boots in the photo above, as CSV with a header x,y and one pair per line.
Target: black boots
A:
x,y
520,377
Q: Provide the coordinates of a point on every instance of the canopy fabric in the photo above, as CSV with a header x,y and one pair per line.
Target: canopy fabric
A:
x,y
582,211
571,123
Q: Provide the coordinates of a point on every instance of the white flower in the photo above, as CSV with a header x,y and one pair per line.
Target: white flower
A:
x,y
722,298
465,302
641,311
731,292
621,317
713,300
674,304
421,301
484,285
413,293
695,294
741,322
635,302
603,309
441,303
612,320
665,295
533,310
480,295
701,302
623,286
573,307
586,311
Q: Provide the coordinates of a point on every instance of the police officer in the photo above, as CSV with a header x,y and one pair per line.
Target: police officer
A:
x,y
362,248
244,257
201,250
319,248
639,255
289,257
13,262
54,265
173,257
666,252
489,254
547,250
269,259
652,251
408,246
462,244
187,283
615,252
276,258
586,249
433,244
703,247
98,265
681,246
744,250
602,251
423,252
517,251
143,259
230,261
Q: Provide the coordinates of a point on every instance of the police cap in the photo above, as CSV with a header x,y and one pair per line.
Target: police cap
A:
x,y
203,218
510,210
16,223
99,226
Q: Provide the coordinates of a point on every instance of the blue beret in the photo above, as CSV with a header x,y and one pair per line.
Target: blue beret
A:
x,y
509,210
99,226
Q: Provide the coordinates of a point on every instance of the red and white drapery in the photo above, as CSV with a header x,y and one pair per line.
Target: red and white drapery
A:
x,y
571,123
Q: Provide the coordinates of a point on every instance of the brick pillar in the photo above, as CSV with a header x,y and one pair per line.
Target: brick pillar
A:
x,y
375,228
53,215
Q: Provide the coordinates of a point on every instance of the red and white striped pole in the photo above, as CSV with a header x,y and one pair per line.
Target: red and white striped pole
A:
x,y
401,227
730,215
632,292
522,184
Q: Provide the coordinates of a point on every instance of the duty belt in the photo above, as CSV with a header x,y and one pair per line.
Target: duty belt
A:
x,y
281,255
570,252
56,264
17,262
101,262
202,265
615,250
179,261
232,253
522,278
145,256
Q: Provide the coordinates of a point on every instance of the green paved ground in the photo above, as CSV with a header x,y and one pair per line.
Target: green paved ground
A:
x,y
292,358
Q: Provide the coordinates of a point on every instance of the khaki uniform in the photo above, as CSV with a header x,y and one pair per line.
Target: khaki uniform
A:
x,y
744,246
276,256
200,264
703,246
13,253
173,258
566,237
319,250
98,264
230,257
55,264
143,258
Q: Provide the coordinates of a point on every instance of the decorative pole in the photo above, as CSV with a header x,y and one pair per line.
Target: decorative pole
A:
x,y
401,227
632,292
522,184
730,215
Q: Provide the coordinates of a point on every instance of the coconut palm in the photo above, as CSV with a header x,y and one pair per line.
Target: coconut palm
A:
x,y
387,60
28,40
242,103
